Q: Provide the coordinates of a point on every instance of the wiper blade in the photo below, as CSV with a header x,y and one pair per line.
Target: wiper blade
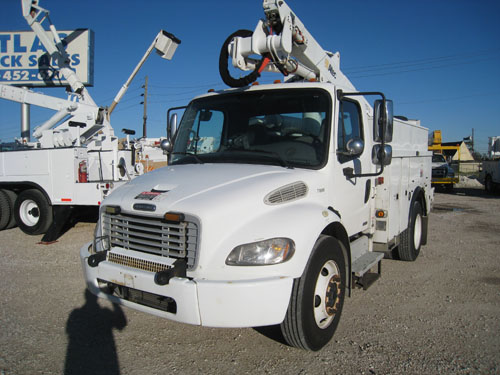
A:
x,y
276,156
195,157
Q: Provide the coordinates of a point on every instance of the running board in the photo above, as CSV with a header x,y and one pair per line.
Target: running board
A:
x,y
360,269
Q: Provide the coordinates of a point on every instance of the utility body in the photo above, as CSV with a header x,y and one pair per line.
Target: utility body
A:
x,y
278,199
491,175
76,159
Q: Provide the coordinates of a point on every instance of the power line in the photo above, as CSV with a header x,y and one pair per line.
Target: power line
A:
x,y
409,63
441,99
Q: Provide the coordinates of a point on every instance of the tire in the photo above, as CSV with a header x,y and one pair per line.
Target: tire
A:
x,y
411,237
11,196
317,298
33,212
5,211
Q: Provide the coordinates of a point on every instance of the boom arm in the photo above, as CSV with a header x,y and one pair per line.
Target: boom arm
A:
x,y
287,47
78,117
34,16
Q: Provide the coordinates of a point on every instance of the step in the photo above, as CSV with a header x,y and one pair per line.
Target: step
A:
x,y
365,262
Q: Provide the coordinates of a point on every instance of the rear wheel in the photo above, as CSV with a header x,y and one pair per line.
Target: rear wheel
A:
x,y
33,212
11,196
317,298
411,237
5,212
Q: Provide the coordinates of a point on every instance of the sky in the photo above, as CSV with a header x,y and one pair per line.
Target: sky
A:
x,y
438,60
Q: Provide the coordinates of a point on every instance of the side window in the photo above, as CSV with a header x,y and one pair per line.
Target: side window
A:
x,y
206,133
349,124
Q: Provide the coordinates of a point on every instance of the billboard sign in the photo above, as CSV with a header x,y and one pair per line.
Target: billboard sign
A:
x,y
24,61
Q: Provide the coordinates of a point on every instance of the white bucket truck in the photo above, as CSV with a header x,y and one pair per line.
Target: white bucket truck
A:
x,y
277,201
76,159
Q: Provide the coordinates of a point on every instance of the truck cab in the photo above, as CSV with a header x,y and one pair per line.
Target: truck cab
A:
x,y
442,173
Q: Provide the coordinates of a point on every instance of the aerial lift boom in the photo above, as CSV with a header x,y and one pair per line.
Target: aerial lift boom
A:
x,y
286,46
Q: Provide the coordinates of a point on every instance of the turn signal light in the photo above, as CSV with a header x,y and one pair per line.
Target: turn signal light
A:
x,y
381,214
113,210
174,216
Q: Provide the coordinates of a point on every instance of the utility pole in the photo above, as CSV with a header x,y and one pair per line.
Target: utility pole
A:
x,y
472,139
145,102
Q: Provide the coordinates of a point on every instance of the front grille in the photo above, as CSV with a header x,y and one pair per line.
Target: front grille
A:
x,y
152,235
439,172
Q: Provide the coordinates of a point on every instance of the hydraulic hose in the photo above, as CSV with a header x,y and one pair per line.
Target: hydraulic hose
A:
x,y
223,63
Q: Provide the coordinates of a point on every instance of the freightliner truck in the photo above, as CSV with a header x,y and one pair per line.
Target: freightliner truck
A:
x,y
278,199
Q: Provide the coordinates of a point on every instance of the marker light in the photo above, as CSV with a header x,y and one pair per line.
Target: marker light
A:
x,y
381,214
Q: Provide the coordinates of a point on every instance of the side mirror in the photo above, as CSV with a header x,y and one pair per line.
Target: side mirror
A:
x,y
382,120
381,156
355,146
172,126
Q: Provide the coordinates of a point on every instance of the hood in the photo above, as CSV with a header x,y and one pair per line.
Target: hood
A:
x,y
439,164
194,188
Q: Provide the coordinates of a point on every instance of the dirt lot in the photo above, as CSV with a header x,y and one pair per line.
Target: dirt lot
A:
x,y
437,315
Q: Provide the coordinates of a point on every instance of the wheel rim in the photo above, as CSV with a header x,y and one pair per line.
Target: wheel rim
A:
x,y
327,294
29,212
417,232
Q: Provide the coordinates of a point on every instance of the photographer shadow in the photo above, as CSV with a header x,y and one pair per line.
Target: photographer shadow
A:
x,y
91,346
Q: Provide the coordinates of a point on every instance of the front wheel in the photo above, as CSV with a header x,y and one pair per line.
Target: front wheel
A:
x,y
317,298
33,212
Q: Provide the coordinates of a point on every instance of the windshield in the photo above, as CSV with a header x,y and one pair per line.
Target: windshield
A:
x,y
278,127
437,158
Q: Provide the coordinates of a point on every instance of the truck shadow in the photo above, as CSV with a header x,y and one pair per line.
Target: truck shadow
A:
x,y
273,333
91,345
85,214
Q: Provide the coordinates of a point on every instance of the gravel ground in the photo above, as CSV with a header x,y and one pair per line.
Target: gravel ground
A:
x,y
437,315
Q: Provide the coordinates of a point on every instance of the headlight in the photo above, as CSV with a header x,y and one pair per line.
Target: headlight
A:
x,y
262,253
